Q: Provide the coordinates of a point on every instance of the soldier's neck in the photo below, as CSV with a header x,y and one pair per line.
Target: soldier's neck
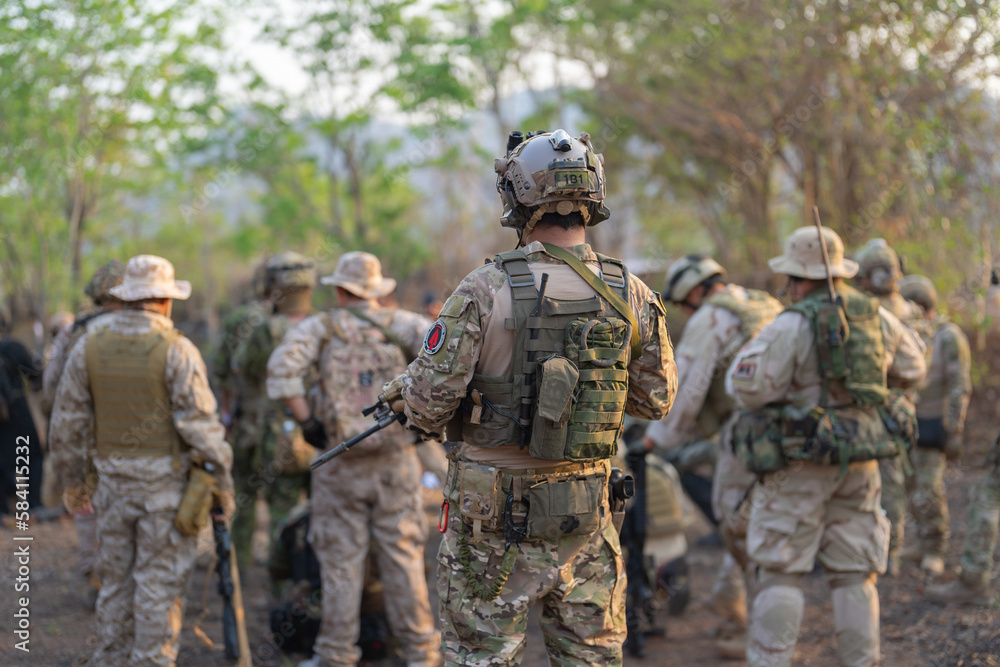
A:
x,y
564,238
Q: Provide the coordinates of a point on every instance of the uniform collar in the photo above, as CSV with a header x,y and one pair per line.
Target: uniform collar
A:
x,y
536,252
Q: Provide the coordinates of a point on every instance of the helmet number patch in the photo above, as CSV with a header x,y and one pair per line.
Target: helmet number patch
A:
x,y
435,337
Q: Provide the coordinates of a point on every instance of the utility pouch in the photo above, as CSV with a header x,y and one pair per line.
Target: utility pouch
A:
x,y
479,495
292,454
561,507
852,433
90,478
557,380
799,424
899,415
931,434
756,439
832,333
192,514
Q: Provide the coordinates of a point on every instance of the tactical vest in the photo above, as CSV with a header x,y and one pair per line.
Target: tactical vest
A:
x,y
754,312
131,401
565,395
857,361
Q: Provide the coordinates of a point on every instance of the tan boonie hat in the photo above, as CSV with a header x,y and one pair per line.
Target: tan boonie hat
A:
x,y
803,257
108,276
150,277
360,273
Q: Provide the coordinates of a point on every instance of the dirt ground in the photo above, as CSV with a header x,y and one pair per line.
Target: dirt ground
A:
x,y
914,631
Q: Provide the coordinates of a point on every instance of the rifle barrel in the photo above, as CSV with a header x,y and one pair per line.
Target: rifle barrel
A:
x,y
344,446
826,255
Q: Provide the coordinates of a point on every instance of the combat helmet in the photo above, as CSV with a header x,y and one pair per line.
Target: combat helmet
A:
x,y
288,271
919,289
687,273
879,267
107,276
550,172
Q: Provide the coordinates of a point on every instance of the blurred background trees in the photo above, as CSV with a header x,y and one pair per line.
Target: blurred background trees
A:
x,y
151,127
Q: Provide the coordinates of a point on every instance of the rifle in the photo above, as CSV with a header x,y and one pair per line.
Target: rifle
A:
x,y
384,417
831,323
233,622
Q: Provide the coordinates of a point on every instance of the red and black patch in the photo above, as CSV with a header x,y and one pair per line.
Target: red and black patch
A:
x,y
745,370
435,337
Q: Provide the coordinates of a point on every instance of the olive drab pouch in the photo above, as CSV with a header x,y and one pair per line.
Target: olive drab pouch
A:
x,y
850,434
565,506
557,380
756,437
899,414
199,492
832,331
600,351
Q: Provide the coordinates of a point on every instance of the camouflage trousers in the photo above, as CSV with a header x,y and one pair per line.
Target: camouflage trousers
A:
x,y
144,565
804,513
928,500
578,581
86,542
363,503
982,528
894,503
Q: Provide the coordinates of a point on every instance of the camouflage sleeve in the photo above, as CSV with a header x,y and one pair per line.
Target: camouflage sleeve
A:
x,y
295,355
958,382
909,364
410,327
696,358
251,356
435,384
71,429
54,369
652,378
194,408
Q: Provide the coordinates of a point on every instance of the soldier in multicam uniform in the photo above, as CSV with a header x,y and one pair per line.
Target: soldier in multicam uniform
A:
x,y
981,529
262,425
528,517
815,508
98,289
136,392
943,400
723,318
370,495
879,274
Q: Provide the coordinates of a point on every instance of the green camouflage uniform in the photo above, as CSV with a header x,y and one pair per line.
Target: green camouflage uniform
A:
x,y
578,580
983,524
254,436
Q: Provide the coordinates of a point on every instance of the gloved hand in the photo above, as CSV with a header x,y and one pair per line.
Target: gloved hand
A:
x,y
227,501
77,500
314,433
393,393
953,447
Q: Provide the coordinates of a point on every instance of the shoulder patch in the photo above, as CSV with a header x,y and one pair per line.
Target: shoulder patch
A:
x,y
435,337
745,370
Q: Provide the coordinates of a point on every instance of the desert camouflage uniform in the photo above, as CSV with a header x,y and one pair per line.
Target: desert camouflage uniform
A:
x,y
578,580
808,511
143,562
702,409
944,395
361,501
254,435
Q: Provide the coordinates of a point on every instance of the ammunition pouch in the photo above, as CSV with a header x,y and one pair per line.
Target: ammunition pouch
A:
x,y
765,440
196,503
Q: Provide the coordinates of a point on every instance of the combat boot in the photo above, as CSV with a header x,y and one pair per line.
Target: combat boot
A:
x,y
960,592
932,564
733,648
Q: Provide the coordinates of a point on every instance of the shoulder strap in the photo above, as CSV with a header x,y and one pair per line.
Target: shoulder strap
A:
x,y
519,276
603,289
388,333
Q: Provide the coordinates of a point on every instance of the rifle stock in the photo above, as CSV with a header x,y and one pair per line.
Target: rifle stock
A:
x,y
234,630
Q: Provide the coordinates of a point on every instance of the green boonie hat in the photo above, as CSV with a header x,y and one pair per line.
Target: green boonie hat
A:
x,y
919,289
290,270
108,276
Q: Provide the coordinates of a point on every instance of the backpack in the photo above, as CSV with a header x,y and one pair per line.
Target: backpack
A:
x,y
357,357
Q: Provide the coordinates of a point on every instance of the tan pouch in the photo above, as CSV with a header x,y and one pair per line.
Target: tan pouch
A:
x,y
479,498
557,380
562,507
196,503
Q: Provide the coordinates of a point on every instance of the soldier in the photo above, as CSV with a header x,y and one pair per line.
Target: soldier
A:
x,y
18,436
982,527
262,426
137,393
993,300
826,504
879,274
98,289
723,317
370,495
534,361
944,398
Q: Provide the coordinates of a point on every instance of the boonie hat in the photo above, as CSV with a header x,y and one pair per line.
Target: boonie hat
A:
x,y
803,256
360,273
150,277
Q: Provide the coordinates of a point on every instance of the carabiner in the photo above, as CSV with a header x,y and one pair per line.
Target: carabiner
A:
x,y
443,515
